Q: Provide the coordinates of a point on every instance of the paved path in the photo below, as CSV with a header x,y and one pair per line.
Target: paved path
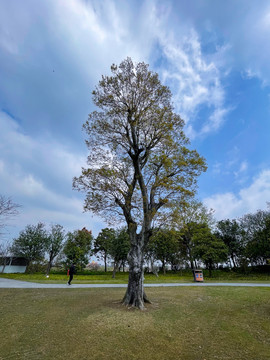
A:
x,y
15,284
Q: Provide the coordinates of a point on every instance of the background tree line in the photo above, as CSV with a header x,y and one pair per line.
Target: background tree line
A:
x,y
191,239
44,247
197,239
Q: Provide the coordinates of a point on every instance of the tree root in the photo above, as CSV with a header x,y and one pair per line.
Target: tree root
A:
x,y
135,302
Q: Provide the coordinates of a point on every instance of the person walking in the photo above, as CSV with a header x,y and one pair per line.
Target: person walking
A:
x,y
71,273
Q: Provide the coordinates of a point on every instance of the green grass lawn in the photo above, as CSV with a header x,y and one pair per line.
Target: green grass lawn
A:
x,y
122,278
180,324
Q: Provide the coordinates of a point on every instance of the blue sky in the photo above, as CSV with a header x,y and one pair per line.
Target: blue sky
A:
x,y
214,55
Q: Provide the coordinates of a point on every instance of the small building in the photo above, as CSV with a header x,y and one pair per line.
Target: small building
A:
x,y
12,264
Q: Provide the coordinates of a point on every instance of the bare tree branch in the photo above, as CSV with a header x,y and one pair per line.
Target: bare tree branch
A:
x,y
8,210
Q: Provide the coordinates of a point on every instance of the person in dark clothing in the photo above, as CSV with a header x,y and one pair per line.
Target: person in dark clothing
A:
x,y
71,273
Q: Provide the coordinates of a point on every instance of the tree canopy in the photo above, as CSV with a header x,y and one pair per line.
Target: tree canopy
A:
x,y
230,232
164,244
77,247
31,243
103,244
256,236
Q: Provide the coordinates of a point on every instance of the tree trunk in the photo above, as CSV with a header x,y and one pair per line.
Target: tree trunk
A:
x,y
135,295
210,269
105,263
164,267
48,268
115,267
5,263
152,265
193,269
233,261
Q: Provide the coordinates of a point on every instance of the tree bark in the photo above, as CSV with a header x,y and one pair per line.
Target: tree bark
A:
x,y
135,295
115,267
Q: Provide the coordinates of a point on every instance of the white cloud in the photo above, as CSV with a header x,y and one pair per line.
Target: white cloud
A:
x,y
248,200
38,175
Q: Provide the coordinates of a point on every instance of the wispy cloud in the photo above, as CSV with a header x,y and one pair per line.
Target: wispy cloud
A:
x,y
215,120
194,77
242,169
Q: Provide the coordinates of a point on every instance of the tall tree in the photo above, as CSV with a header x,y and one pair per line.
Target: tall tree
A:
x,y
139,161
31,243
103,244
54,244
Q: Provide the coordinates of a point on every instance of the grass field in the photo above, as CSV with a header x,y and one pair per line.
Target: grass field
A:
x,y
180,324
122,278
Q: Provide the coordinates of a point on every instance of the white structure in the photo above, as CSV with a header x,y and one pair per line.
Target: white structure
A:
x,y
12,264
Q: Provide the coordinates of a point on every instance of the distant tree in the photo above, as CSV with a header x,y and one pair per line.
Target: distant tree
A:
x,y
150,257
103,244
54,244
208,248
139,161
119,249
77,247
186,242
165,246
256,236
31,243
229,231
8,209
186,219
193,211
5,251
